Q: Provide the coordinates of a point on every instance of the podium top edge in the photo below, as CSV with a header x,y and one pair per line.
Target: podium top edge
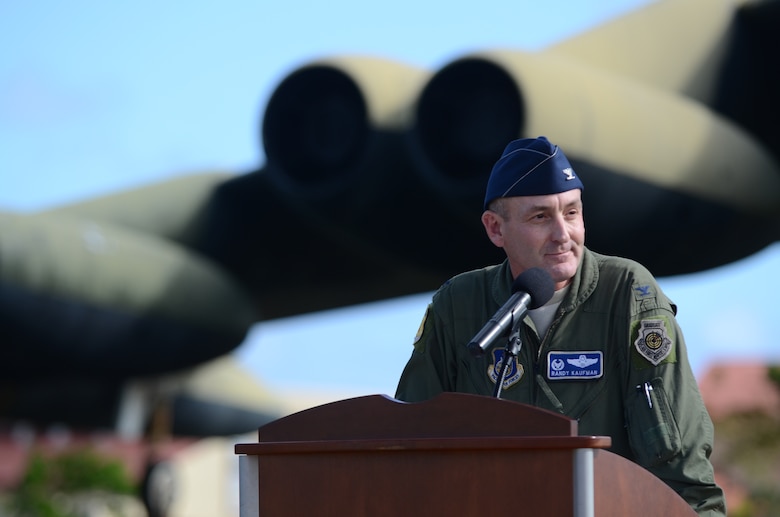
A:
x,y
426,444
454,415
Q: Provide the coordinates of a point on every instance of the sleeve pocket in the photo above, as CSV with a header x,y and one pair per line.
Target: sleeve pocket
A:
x,y
652,429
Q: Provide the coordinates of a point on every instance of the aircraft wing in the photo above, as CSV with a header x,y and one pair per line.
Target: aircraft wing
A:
x,y
106,325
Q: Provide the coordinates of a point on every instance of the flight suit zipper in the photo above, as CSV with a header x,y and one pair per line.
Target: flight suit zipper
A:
x,y
539,379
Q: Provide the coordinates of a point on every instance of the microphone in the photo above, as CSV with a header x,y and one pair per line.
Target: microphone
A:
x,y
531,289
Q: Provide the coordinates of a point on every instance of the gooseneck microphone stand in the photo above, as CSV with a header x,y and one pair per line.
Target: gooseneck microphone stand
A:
x,y
513,346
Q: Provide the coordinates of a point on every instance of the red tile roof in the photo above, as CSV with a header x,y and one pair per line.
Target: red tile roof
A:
x,y
737,387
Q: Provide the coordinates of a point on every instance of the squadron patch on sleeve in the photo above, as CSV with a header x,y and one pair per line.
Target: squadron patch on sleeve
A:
x,y
419,346
652,340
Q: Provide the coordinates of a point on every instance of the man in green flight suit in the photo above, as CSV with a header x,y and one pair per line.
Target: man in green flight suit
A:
x,y
606,349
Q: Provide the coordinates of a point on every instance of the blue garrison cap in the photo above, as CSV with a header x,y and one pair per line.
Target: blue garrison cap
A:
x,y
531,167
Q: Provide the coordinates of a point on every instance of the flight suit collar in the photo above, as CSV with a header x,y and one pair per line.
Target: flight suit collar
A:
x,y
502,283
584,283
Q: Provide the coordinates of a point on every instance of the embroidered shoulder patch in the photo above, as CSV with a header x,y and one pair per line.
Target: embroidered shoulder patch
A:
x,y
652,341
417,344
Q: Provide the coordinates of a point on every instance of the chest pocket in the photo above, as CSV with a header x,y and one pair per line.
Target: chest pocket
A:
x,y
655,437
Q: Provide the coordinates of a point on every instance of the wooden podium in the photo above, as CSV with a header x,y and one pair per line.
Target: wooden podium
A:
x,y
455,455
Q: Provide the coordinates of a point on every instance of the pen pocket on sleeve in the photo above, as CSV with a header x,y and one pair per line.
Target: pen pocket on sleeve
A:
x,y
653,432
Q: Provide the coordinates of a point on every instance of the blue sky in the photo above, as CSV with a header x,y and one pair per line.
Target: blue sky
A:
x,y
101,96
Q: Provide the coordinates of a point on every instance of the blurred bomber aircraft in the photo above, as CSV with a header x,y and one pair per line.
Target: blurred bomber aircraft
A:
x,y
372,188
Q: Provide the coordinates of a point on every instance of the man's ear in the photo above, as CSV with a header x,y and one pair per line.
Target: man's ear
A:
x,y
493,224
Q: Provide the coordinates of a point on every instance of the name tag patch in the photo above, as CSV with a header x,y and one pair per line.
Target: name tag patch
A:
x,y
575,365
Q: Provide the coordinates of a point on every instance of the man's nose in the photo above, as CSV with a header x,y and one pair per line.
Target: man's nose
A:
x,y
560,230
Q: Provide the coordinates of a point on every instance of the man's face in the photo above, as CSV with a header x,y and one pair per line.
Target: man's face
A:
x,y
540,231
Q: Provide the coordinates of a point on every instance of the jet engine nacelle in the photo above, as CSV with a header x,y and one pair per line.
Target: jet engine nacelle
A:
x,y
667,181
665,176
